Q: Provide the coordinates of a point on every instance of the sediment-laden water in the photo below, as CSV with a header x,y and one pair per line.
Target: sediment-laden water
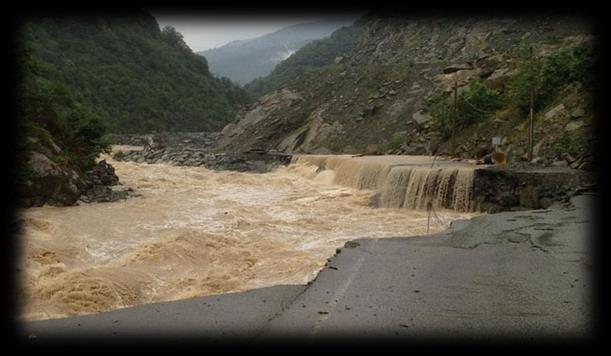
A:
x,y
197,232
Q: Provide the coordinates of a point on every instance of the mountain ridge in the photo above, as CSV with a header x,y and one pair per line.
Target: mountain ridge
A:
x,y
245,60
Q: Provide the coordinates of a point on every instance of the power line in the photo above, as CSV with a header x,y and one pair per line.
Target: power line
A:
x,y
480,110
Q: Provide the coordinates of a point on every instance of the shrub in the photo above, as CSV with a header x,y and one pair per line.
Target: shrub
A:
x,y
440,108
47,111
395,143
474,105
575,145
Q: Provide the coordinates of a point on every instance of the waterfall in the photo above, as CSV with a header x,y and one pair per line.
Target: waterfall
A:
x,y
410,182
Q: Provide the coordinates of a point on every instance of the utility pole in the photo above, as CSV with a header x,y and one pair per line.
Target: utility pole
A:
x,y
531,134
530,124
454,114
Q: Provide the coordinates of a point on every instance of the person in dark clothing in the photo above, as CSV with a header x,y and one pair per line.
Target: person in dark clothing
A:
x,y
493,158
487,159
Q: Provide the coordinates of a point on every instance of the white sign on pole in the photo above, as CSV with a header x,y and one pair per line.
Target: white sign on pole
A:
x,y
496,141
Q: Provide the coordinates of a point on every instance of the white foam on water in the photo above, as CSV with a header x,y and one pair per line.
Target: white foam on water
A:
x,y
403,181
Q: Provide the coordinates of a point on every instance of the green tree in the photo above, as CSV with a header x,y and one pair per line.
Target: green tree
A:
x,y
477,103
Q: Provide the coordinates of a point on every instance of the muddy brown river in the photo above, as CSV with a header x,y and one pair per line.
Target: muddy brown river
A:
x,y
196,232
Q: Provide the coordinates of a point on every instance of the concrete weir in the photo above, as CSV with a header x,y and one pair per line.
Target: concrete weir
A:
x,y
400,181
422,182
411,182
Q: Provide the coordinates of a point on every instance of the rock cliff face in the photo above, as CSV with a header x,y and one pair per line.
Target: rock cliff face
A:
x,y
53,181
48,180
376,98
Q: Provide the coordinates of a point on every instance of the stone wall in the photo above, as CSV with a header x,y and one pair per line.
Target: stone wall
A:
x,y
500,189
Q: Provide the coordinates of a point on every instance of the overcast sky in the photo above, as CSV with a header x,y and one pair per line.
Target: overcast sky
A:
x,y
209,31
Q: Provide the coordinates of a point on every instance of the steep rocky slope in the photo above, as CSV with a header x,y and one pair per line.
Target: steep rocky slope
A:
x,y
381,97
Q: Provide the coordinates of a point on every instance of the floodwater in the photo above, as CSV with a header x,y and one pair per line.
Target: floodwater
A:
x,y
196,232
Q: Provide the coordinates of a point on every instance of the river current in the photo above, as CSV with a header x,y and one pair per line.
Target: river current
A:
x,y
196,232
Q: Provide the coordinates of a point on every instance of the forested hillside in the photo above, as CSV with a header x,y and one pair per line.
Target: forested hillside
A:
x,y
80,77
134,76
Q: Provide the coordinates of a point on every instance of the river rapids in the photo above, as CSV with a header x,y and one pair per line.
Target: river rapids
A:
x,y
196,232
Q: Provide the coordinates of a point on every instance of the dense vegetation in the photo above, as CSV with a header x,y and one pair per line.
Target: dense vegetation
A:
x,y
477,103
129,73
49,115
314,55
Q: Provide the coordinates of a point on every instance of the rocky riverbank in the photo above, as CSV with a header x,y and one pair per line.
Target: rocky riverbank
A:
x,y
104,185
197,140
515,186
52,180
195,149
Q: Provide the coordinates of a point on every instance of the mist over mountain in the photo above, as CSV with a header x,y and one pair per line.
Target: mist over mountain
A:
x,y
312,56
245,60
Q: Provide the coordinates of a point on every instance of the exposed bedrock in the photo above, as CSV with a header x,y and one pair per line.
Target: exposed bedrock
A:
x,y
51,179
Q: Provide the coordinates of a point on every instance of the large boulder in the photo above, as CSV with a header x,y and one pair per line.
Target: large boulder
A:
x,y
103,174
421,117
557,110
574,125
49,183
500,76
103,185
456,67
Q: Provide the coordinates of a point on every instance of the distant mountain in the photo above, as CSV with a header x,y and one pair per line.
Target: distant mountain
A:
x,y
314,55
245,60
